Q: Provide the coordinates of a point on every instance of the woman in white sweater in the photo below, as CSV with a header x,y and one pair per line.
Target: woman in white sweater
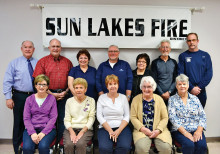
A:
x,y
79,119
113,116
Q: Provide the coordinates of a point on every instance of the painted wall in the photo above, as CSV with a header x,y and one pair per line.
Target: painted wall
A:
x,y
21,22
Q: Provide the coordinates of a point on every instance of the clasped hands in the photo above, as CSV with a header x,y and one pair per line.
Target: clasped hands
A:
x,y
195,137
75,138
114,134
36,138
149,133
59,96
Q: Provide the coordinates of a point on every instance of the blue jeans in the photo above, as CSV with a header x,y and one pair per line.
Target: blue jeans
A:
x,y
189,147
123,141
43,146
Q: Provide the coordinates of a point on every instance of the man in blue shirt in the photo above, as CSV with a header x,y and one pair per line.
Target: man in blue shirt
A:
x,y
117,67
197,65
17,86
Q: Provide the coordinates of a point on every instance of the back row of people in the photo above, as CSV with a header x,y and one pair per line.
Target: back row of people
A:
x,y
18,78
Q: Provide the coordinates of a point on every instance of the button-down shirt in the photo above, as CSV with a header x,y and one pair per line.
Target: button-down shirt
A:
x,y
189,116
89,76
121,69
17,76
56,70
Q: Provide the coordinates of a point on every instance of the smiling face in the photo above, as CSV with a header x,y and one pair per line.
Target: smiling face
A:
x,y
83,60
79,90
192,42
55,48
147,90
182,87
41,87
141,64
112,87
113,54
165,49
27,49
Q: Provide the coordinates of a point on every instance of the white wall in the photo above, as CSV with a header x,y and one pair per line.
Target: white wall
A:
x,y
21,22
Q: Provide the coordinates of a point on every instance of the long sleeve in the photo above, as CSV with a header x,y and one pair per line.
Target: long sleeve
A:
x,y
67,118
126,110
173,115
154,70
130,77
52,116
202,115
8,81
99,112
27,116
207,74
173,85
99,78
91,115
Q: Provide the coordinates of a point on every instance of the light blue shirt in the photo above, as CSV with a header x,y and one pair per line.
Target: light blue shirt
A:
x,y
17,76
189,116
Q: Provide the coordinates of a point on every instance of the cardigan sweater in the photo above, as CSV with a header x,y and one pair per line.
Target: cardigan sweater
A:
x,y
160,118
43,117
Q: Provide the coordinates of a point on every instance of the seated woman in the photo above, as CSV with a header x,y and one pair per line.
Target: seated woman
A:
x,y
188,118
113,116
149,117
40,114
142,62
79,119
83,70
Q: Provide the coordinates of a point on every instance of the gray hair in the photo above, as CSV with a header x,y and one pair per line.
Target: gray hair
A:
x,y
27,41
182,78
148,79
165,41
113,46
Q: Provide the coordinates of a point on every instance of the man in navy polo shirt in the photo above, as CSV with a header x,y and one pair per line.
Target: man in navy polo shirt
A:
x,y
197,65
117,67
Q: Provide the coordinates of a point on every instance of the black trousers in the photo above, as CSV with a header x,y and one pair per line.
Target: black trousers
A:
x,y
18,126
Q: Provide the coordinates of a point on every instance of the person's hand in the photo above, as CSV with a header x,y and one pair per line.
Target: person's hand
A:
x,y
10,103
165,95
189,136
62,95
146,131
195,91
41,136
115,135
73,137
111,134
197,136
155,133
80,134
35,138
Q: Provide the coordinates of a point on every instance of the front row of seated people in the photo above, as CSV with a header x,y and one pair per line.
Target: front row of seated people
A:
x,y
148,115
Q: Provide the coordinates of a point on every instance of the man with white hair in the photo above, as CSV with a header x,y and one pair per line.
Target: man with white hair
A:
x,y
165,69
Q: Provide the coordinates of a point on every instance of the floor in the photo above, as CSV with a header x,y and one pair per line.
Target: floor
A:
x,y
6,148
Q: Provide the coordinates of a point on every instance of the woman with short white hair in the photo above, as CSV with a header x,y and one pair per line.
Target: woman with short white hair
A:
x,y
149,117
188,118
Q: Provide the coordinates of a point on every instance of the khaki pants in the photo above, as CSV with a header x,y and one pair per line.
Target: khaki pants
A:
x,y
80,146
142,146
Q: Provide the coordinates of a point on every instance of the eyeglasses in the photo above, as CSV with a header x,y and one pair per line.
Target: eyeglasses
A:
x,y
43,85
193,40
142,62
147,87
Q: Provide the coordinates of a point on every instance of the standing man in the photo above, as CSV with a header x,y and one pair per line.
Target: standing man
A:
x,y
117,67
165,69
56,67
17,86
197,65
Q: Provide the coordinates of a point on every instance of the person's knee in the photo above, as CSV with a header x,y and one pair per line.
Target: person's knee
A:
x,y
105,147
68,145
43,146
188,145
142,148
164,148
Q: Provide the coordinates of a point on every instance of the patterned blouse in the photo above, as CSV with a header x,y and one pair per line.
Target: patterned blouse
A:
x,y
148,114
189,116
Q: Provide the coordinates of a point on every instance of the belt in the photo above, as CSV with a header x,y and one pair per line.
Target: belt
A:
x,y
22,92
57,90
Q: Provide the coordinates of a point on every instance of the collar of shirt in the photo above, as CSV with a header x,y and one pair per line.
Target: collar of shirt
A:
x,y
58,59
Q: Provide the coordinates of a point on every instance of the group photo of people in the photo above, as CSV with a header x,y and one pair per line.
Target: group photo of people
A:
x,y
118,109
